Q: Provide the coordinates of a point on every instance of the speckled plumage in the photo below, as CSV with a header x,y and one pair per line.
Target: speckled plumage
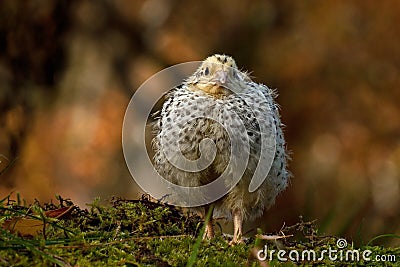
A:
x,y
182,121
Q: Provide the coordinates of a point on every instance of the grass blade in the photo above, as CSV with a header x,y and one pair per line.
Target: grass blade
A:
x,y
196,247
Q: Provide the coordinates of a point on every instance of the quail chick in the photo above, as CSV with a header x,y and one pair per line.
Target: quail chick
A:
x,y
218,89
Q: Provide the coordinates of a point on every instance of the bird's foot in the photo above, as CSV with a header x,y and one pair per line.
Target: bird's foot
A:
x,y
209,232
237,228
236,241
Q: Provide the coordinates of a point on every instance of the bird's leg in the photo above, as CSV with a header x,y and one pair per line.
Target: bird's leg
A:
x,y
209,232
237,227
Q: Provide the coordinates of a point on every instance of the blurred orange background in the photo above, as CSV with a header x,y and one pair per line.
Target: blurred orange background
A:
x,y
69,68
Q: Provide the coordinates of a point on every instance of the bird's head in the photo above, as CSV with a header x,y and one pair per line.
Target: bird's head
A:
x,y
218,73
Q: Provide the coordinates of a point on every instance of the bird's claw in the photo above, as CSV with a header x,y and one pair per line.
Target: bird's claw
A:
x,y
234,242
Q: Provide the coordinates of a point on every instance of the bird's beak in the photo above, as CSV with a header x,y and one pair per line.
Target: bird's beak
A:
x,y
221,77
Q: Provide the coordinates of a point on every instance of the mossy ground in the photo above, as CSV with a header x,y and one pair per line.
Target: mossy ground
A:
x,y
146,233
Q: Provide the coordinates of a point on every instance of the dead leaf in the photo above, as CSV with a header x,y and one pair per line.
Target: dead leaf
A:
x,y
59,213
25,227
30,227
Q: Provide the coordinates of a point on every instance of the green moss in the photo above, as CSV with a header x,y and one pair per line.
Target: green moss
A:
x,y
145,233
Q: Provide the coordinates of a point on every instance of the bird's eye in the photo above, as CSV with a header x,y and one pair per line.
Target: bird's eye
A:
x,y
206,71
